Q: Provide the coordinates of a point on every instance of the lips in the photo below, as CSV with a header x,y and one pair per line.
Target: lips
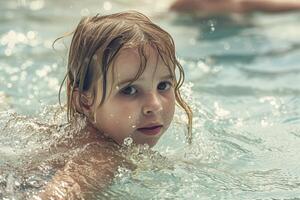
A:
x,y
150,130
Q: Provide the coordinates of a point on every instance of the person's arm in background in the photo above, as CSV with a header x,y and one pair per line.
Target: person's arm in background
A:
x,y
269,5
203,6
234,6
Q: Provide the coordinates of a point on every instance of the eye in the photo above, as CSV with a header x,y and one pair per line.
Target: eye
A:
x,y
165,85
129,90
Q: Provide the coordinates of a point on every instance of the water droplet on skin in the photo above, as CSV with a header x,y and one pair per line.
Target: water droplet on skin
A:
x,y
95,57
133,126
129,117
128,141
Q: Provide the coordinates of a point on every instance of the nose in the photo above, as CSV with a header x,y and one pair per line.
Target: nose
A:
x,y
152,104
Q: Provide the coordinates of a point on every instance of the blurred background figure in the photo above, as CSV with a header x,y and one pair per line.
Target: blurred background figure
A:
x,y
211,7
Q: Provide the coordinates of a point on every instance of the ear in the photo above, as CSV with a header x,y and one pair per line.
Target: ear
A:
x,y
83,102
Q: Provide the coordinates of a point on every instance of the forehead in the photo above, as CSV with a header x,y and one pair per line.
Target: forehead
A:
x,y
129,60
127,56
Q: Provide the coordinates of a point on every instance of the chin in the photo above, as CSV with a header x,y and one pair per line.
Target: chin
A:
x,y
152,143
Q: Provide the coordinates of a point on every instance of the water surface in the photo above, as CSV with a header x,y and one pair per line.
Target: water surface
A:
x,y
242,78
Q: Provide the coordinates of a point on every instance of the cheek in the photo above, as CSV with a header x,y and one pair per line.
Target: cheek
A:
x,y
116,119
119,112
169,106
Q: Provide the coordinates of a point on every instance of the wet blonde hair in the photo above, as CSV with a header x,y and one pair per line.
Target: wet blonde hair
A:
x,y
95,44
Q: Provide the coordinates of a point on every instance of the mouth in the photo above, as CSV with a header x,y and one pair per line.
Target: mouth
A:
x,y
151,130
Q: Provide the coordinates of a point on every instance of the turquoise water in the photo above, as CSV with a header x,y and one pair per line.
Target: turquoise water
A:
x,y
242,81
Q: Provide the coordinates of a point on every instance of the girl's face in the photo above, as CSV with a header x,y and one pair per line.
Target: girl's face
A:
x,y
142,110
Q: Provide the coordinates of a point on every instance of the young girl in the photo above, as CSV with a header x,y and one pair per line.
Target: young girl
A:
x,y
124,78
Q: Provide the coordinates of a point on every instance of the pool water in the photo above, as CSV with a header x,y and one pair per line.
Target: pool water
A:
x,y
242,81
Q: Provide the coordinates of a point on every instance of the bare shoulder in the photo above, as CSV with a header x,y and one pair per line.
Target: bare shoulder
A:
x,y
91,169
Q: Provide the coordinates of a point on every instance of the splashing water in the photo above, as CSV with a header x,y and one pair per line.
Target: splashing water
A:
x,y
128,141
242,84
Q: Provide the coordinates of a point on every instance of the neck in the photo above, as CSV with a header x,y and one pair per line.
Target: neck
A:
x,y
94,134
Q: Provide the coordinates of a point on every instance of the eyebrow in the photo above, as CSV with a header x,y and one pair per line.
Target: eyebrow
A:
x,y
130,80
